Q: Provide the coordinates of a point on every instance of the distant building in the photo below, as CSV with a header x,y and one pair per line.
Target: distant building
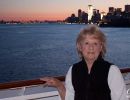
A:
x,y
73,15
102,14
94,11
111,10
72,19
118,11
127,8
79,13
96,17
90,12
84,17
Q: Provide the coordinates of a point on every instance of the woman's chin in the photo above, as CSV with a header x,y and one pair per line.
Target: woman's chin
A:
x,y
91,58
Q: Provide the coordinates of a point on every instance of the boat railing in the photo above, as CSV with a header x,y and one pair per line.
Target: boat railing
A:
x,y
33,89
28,90
24,83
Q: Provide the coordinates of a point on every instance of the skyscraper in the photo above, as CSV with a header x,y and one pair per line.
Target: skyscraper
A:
x,y
111,9
79,13
127,8
90,12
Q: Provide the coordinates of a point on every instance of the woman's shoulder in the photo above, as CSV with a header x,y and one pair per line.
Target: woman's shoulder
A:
x,y
77,63
74,65
114,69
77,66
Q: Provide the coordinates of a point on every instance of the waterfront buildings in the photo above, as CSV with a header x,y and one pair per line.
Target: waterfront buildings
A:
x,y
114,17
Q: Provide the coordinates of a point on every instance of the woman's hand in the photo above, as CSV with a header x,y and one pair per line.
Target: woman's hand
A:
x,y
53,82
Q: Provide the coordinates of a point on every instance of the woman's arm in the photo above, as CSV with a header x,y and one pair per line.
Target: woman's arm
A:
x,y
53,82
116,84
66,91
68,85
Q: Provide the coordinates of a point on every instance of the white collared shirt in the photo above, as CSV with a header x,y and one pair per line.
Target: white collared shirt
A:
x,y
115,81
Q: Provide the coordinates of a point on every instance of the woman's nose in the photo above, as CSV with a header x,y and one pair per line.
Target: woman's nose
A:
x,y
91,46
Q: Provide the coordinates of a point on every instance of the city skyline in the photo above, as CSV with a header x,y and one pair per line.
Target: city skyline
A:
x,y
51,9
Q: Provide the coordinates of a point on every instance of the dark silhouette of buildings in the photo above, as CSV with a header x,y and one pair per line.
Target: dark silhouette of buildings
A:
x,y
72,19
127,8
96,17
81,18
92,17
116,17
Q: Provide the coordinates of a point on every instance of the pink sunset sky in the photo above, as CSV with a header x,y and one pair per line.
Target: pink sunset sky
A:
x,y
51,9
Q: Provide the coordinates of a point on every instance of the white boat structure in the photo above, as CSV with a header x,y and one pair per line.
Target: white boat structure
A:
x,y
35,89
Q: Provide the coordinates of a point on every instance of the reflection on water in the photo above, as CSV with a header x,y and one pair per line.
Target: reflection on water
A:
x,y
36,50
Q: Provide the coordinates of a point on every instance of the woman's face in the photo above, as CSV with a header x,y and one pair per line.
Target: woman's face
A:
x,y
90,47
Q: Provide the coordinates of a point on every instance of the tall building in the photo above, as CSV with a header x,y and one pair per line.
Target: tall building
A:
x,y
111,9
90,12
84,17
94,11
79,13
118,11
127,8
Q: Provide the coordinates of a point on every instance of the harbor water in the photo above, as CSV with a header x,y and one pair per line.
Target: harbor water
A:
x,y
30,51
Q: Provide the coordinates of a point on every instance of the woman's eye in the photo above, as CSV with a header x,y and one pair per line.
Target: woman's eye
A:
x,y
86,43
96,44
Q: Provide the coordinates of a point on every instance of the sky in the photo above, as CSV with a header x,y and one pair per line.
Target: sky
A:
x,y
52,9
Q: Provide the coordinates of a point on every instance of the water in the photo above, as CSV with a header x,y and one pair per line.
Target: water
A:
x,y
32,51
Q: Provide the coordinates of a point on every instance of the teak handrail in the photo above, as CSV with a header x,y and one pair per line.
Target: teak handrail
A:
x,y
24,83
125,70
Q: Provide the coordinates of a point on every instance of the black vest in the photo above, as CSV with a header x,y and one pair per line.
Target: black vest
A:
x,y
93,85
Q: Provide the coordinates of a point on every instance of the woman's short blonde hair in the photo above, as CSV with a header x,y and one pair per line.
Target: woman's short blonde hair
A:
x,y
98,34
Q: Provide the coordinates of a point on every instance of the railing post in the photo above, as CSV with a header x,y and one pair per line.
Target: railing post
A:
x,y
22,91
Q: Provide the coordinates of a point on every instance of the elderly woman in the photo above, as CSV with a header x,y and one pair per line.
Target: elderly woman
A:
x,y
92,78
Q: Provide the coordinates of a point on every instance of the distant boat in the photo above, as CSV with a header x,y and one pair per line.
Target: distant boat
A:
x,y
35,89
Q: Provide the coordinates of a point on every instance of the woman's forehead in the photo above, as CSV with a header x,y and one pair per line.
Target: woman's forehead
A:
x,y
94,37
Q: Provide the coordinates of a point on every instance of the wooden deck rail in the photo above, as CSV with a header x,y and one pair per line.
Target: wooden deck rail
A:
x,y
125,70
38,81
23,83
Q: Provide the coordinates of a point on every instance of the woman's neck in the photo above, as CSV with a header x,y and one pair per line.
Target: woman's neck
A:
x,y
89,64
